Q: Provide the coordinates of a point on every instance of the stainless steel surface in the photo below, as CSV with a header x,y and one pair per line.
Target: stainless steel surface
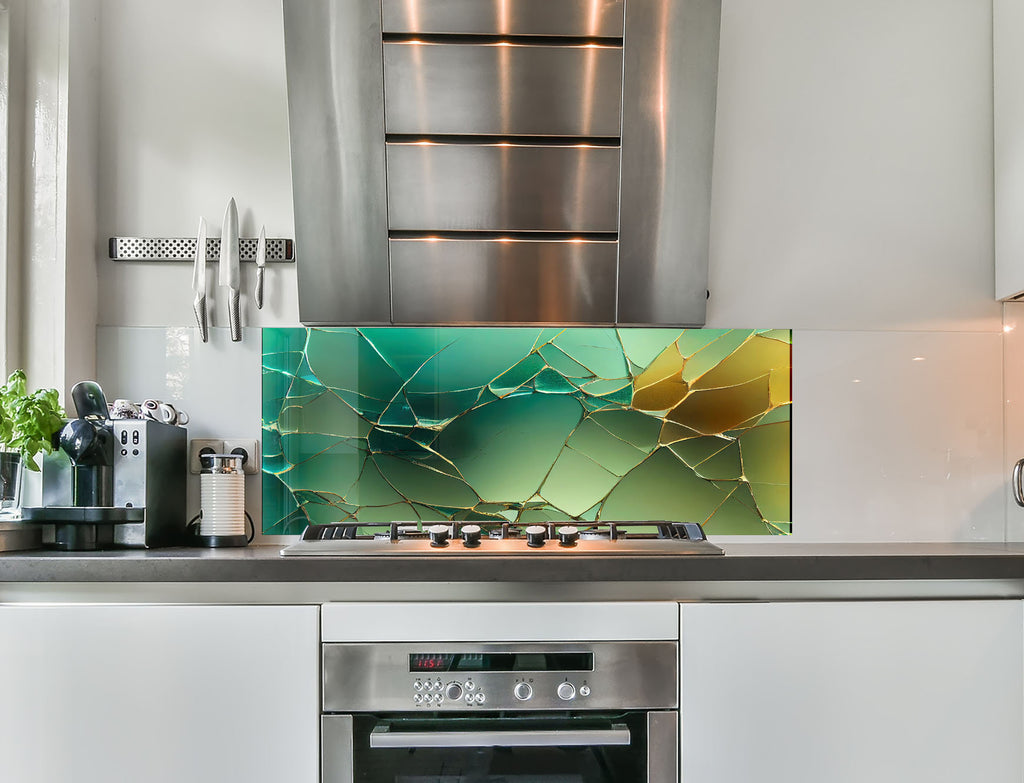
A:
x,y
229,273
452,88
512,281
383,737
149,473
662,747
670,82
592,18
19,536
336,120
199,282
221,463
261,263
150,464
279,251
500,548
1018,489
463,79
336,748
376,677
502,187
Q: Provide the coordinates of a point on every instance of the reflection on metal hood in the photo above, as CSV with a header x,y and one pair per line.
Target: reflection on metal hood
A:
x,y
502,161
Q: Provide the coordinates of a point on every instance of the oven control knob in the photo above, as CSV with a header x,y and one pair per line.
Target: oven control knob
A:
x,y
471,535
568,535
453,691
522,691
438,535
566,691
535,535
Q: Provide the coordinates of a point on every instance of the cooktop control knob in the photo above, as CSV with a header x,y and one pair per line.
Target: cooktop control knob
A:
x,y
471,535
568,535
438,535
522,691
453,691
535,535
566,691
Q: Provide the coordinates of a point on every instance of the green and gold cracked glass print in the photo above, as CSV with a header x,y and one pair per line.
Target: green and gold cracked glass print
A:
x,y
527,425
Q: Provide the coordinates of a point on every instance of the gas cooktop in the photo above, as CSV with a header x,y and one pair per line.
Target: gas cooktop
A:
x,y
458,539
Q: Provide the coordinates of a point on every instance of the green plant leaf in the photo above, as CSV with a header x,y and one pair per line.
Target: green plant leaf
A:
x,y
28,422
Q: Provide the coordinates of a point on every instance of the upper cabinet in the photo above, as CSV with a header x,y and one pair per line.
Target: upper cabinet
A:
x,y
1008,117
477,161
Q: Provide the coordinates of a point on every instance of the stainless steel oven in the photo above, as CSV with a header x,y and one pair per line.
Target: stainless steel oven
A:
x,y
517,712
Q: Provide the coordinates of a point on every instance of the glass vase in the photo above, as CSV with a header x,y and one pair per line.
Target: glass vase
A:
x,y
11,469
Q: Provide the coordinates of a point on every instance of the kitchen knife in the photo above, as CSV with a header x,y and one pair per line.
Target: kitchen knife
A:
x,y
229,275
261,262
199,282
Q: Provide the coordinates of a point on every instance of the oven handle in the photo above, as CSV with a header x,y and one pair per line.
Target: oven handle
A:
x,y
382,737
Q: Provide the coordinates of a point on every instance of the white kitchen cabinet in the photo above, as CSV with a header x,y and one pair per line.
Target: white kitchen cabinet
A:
x,y
1008,151
159,694
849,692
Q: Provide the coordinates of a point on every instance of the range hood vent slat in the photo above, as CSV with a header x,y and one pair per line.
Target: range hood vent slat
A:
x,y
580,133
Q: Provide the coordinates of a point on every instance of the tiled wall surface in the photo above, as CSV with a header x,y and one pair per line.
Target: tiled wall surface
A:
x,y
897,436
852,202
1013,406
527,425
216,383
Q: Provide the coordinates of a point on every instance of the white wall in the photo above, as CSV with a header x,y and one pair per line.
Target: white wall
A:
x,y
852,202
194,112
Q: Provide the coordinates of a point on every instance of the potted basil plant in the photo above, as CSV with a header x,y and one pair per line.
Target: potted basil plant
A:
x,y
28,422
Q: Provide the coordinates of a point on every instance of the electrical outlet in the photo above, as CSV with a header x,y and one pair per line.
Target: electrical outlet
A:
x,y
199,446
248,448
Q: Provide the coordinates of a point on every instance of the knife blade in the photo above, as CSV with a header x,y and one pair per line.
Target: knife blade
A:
x,y
199,282
229,274
261,262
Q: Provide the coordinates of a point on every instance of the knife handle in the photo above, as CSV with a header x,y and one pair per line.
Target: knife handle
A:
x,y
234,317
258,293
199,306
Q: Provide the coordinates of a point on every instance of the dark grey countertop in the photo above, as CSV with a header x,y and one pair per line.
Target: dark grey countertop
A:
x,y
748,562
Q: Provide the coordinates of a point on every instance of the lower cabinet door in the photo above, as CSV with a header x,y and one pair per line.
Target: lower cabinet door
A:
x,y
159,694
851,692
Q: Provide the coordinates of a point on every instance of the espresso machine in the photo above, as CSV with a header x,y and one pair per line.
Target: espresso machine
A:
x,y
112,483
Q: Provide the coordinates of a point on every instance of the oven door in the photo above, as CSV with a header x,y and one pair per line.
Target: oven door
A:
x,y
630,747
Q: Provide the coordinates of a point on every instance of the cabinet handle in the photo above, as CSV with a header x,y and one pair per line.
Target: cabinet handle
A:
x,y
1018,489
383,737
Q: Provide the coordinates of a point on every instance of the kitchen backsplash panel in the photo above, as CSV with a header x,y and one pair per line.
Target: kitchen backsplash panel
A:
x,y
527,425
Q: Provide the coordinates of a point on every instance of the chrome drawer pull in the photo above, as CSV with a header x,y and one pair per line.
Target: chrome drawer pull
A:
x,y
1018,489
383,737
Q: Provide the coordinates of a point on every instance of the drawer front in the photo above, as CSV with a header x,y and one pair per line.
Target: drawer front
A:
x,y
596,18
502,187
511,281
502,89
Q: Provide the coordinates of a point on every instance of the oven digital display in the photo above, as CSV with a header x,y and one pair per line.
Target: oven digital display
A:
x,y
502,662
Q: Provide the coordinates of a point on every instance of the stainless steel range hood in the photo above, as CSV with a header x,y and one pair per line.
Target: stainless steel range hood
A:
x,y
502,161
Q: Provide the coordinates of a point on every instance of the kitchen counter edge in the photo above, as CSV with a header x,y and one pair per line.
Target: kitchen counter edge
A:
x,y
745,562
